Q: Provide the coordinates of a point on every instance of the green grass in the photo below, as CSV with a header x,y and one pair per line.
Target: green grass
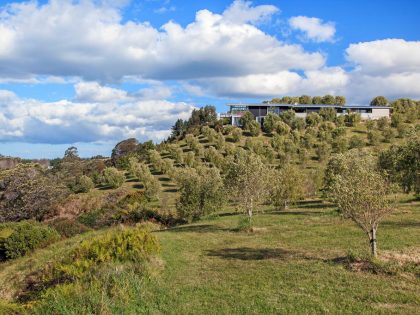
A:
x,y
290,264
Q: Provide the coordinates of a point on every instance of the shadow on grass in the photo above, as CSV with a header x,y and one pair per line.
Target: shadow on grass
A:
x,y
164,179
247,253
402,224
288,212
156,173
199,228
138,186
131,180
172,190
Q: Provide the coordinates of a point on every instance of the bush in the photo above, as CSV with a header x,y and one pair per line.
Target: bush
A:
x,y
151,188
236,135
356,142
113,177
121,245
83,185
67,227
17,239
254,128
353,119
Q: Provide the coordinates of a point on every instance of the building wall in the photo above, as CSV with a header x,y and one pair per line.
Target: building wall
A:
x,y
380,112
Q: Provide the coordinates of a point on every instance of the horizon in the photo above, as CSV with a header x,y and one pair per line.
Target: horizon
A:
x,y
93,73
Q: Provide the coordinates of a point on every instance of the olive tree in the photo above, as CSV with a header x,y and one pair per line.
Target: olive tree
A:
x,y
361,193
286,186
246,180
113,177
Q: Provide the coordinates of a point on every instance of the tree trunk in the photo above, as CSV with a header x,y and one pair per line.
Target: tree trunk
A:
x,y
250,211
372,239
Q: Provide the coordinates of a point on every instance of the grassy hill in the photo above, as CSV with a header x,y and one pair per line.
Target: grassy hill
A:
x,y
306,259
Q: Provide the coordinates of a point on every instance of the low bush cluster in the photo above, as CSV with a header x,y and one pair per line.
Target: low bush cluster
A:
x,y
17,239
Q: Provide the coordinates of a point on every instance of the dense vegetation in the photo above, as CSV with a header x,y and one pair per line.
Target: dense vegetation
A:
x,y
287,212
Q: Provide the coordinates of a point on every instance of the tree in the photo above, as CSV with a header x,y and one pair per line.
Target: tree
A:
x,y
236,135
282,128
328,100
328,113
113,177
286,186
316,100
379,101
402,164
340,100
179,129
288,116
361,194
71,154
305,99
246,180
254,128
84,184
203,116
270,121
313,119
151,187
122,149
246,119
201,192
28,191
353,119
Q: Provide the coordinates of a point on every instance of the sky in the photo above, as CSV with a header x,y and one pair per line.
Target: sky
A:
x,y
91,73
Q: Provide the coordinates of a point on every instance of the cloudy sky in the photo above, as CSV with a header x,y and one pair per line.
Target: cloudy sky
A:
x,y
94,72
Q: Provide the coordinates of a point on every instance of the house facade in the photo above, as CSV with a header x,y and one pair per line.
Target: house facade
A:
x,y
261,110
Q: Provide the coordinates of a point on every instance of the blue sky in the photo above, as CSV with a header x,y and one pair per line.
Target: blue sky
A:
x,y
92,73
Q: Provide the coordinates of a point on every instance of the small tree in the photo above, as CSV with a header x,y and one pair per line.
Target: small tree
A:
x,y
328,100
340,100
254,128
246,119
282,128
236,135
246,180
151,188
84,184
270,122
379,101
286,186
113,177
361,194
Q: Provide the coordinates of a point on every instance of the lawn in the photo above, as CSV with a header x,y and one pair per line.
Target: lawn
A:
x,y
292,263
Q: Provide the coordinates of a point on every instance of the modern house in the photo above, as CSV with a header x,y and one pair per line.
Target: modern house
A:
x,y
261,110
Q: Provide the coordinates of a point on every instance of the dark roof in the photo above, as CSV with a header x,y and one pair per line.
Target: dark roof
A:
x,y
308,105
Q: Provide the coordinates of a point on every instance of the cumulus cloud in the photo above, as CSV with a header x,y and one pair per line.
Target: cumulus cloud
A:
x,y
97,118
313,28
89,40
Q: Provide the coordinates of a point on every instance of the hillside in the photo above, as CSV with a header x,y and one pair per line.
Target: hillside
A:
x,y
301,258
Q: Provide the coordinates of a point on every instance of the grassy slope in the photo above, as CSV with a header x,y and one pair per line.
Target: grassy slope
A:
x,y
289,265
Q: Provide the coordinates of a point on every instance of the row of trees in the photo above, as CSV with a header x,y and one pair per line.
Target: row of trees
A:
x,y
306,99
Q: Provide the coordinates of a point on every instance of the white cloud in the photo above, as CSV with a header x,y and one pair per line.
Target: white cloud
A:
x,y
385,56
89,40
240,12
98,118
313,28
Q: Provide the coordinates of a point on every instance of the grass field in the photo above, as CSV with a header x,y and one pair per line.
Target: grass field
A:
x,y
292,263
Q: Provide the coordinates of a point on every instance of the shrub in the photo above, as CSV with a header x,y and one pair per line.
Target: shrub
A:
x,y
67,227
254,128
388,134
282,128
356,142
328,113
113,177
83,185
323,151
353,119
313,119
374,137
151,188
121,245
17,239
383,123
236,135
270,121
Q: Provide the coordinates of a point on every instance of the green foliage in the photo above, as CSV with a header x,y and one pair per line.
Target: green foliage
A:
x,y
236,134
270,122
282,128
201,192
316,100
84,184
388,134
179,129
374,137
122,151
288,116
323,151
305,99
17,239
379,101
352,119
113,177
286,186
383,123
151,188
402,164
328,100
254,128
313,119
340,100
356,142
361,192
246,180
29,192
246,119
121,245
68,227
328,113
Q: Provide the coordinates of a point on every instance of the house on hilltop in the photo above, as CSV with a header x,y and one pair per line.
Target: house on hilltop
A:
x,y
261,110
